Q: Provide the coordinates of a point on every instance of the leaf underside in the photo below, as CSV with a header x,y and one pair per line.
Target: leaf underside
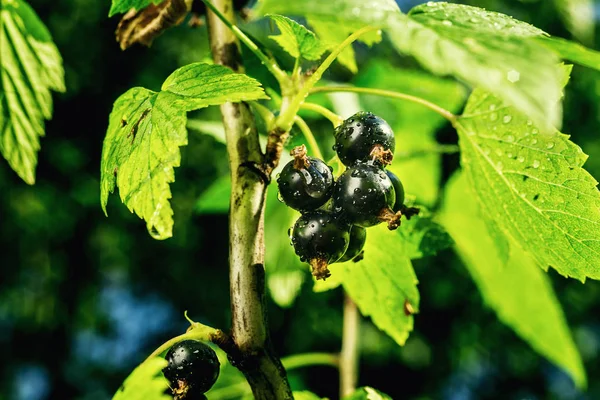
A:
x,y
30,68
514,287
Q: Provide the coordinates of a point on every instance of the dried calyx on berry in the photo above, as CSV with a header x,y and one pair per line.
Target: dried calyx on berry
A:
x,y
364,137
354,252
193,368
305,183
320,239
364,195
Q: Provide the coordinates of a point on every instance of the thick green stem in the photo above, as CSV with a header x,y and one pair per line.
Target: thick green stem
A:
x,y
330,115
253,353
349,354
388,93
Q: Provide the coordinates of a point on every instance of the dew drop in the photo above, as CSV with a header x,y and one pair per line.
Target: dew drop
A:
x,y
550,145
510,138
536,164
513,76
521,159
507,119
493,116
447,23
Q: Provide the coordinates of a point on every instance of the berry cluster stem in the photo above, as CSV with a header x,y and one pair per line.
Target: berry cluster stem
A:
x,y
349,354
252,352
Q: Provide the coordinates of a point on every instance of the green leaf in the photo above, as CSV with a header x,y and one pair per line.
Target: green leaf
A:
x,y
416,161
146,129
215,199
485,49
573,52
333,21
285,272
384,284
423,237
30,67
122,6
579,18
146,382
532,185
519,291
295,39
367,393
305,395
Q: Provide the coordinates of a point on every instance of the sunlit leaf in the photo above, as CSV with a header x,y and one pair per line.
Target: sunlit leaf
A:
x,y
367,393
516,288
146,382
384,284
147,128
122,6
295,39
532,185
30,67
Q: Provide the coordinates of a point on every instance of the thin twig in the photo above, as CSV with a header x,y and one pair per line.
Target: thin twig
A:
x,y
350,352
330,115
388,93
308,135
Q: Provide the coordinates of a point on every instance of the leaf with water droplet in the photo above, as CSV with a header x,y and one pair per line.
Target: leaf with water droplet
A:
x,y
496,53
563,234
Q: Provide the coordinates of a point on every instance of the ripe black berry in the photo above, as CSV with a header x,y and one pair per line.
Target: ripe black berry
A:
x,y
320,239
305,183
398,189
363,137
358,237
192,370
364,195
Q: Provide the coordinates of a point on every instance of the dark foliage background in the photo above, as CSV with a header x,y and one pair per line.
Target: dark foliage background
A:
x,y
84,298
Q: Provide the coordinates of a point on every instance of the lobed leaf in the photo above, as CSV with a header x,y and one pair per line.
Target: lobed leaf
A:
x,y
146,129
30,68
485,49
532,186
515,288
296,40
384,284
146,382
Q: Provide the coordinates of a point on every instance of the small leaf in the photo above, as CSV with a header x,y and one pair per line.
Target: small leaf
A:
x,y
384,283
532,185
146,382
333,21
146,129
30,67
122,6
423,237
485,49
519,291
367,393
295,39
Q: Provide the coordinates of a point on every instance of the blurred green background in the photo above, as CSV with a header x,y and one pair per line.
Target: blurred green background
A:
x,y
84,298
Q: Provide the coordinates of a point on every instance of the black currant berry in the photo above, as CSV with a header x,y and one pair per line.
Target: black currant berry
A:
x,y
358,237
364,137
192,370
320,239
398,188
364,195
305,183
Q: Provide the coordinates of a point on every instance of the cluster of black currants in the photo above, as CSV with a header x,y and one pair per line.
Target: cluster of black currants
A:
x,y
335,213
193,368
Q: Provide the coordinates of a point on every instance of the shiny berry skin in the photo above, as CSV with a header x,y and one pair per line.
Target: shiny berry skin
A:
x,y
362,194
320,239
398,188
357,136
358,237
192,370
306,188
